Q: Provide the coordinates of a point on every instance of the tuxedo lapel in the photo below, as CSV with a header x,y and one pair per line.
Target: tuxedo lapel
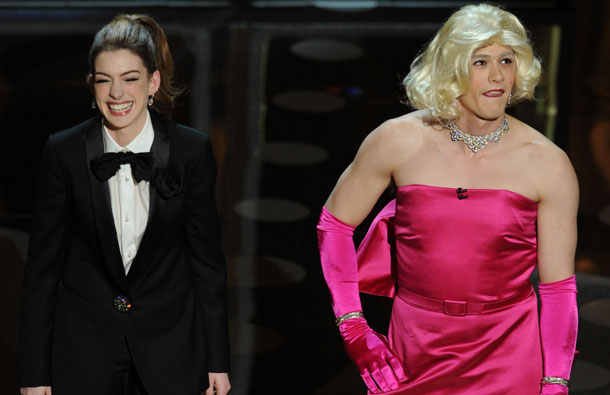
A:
x,y
102,209
156,214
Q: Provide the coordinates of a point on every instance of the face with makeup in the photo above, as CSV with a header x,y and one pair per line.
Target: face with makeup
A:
x,y
121,86
492,75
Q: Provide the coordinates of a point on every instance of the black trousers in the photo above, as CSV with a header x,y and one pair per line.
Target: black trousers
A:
x,y
125,379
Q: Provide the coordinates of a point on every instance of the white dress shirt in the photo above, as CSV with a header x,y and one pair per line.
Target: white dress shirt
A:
x,y
130,201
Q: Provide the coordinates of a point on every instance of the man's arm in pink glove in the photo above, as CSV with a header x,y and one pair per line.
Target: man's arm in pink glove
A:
x,y
377,364
557,187
558,331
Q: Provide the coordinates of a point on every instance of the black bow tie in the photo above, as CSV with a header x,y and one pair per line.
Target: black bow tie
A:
x,y
106,165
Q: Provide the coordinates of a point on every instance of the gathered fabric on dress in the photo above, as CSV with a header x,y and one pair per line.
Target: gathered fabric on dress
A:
x,y
464,318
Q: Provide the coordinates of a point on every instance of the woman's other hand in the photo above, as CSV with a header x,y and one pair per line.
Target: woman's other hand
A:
x,y
36,391
219,384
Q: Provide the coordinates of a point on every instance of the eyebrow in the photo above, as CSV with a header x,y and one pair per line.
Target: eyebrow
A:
x,y
502,55
127,72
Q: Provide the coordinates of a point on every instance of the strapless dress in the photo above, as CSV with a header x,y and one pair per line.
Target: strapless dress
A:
x,y
458,264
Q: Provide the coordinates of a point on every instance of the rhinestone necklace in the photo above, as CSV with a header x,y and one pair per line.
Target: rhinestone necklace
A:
x,y
477,143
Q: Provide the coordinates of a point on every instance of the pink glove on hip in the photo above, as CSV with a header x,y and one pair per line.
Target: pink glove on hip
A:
x,y
377,364
370,351
558,331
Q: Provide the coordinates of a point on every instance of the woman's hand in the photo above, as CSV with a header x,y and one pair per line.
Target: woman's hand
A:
x,y
219,384
370,351
36,391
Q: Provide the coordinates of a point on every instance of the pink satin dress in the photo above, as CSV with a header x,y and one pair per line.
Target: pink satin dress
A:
x,y
464,318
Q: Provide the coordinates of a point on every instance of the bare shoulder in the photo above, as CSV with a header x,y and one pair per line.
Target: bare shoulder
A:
x,y
398,134
539,148
548,164
371,171
408,125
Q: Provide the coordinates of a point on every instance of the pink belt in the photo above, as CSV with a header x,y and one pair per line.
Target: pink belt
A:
x,y
458,307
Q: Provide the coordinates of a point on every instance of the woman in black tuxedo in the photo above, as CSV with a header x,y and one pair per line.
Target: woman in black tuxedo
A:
x,y
125,282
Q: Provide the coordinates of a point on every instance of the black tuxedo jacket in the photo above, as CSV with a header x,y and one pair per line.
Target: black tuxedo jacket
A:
x,y
176,327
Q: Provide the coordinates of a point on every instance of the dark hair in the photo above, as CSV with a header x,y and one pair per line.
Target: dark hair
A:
x,y
143,36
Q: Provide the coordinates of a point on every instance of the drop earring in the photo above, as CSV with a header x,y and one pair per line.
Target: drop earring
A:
x,y
93,104
510,95
150,100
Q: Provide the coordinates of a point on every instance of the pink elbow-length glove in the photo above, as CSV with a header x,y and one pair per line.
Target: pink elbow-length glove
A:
x,y
370,351
558,330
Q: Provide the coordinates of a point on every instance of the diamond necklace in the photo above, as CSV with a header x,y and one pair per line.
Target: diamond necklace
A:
x,y
477,143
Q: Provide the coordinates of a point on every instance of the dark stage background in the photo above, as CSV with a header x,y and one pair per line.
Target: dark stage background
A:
x,y
288,90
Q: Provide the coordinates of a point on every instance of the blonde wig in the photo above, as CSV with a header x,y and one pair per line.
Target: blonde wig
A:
x,y
441,73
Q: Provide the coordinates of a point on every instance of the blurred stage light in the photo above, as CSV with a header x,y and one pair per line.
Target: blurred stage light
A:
x,y
354,91
326,50
308,101
271,210
291,154
346,5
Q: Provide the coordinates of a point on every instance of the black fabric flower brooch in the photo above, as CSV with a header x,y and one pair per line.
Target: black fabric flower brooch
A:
x,y
168,181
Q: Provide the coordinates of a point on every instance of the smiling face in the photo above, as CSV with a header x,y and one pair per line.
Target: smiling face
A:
x,y
492,75
121,86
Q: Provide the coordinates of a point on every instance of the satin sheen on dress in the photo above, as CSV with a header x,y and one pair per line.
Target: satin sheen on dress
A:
x,y
480,249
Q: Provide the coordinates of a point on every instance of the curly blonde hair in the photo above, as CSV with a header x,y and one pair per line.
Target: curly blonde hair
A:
x,y
441,73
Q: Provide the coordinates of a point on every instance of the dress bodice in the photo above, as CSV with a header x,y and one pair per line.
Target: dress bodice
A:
x,y
473,256
480,247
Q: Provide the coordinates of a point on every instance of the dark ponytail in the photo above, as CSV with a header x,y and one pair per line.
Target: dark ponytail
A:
x,y
143,36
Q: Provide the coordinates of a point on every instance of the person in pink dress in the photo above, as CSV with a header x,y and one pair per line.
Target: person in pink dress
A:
x,y
482,200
